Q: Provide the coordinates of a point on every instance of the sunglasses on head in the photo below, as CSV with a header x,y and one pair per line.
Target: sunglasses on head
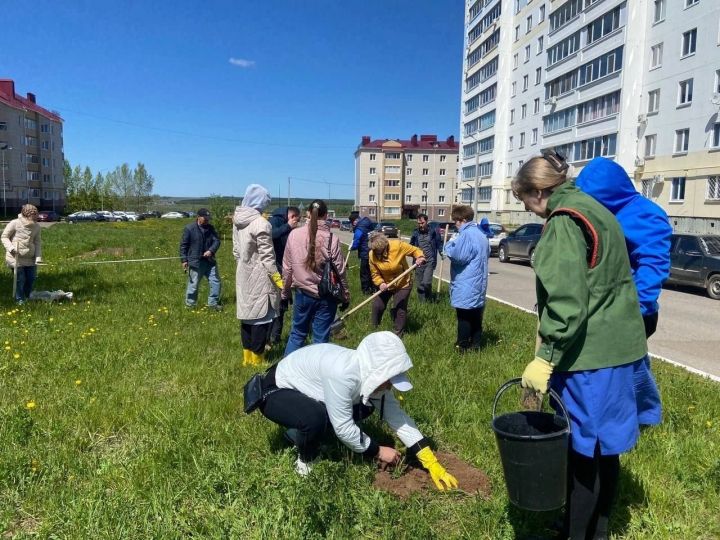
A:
x,y
557,160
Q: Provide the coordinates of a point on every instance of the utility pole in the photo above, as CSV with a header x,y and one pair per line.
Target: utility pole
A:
x,y
288,193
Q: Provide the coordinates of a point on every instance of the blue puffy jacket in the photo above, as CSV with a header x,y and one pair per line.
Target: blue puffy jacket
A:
x,y
485,228
468,253
645,226
360,237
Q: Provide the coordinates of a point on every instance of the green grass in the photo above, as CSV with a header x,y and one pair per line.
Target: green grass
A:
x,y
138,432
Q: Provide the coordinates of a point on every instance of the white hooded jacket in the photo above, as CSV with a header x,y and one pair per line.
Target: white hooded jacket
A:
x,y
341,377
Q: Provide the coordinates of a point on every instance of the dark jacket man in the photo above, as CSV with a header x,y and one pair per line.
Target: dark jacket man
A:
x,y
281,230
196,240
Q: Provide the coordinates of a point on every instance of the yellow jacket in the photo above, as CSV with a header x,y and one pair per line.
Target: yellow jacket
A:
x,y
395,264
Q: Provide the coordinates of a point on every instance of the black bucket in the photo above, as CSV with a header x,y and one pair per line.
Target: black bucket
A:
x,y
533,449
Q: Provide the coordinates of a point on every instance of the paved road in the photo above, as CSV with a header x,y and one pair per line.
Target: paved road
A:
x,y
688,331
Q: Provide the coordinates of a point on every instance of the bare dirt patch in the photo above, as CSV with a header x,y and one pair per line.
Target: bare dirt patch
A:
x,y
104,251
415,479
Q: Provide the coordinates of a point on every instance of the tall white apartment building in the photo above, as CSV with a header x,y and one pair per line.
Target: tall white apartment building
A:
x,y
587,78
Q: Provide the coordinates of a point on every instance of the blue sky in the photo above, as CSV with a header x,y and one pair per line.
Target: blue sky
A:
x,y
215,95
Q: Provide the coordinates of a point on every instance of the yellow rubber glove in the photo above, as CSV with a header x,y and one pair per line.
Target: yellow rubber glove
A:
x,y
277,280
443,480
537,375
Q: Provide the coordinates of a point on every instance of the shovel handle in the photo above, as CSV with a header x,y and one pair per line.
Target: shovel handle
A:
x,y
375,295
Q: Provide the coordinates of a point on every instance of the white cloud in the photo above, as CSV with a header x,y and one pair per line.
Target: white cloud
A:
x,y
241,62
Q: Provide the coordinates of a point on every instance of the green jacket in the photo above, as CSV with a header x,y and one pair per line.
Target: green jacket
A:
x,y
587,303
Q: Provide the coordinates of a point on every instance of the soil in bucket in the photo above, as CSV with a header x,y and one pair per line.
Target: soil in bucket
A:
x,y
415,479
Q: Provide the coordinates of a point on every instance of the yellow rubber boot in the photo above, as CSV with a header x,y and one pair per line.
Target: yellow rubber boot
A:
x,y
247,358
257,359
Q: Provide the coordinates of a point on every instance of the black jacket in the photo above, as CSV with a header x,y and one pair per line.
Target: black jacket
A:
x,y
196,240
280,232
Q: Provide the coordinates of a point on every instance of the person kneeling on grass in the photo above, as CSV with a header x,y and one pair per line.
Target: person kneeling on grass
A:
x,y
325,385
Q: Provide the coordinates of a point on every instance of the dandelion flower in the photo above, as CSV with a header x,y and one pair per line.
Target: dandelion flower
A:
x,y
78,382
16,355
708,424
7,347
30,405
51,319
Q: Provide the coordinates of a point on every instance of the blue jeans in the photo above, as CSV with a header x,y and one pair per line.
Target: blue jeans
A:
x,y
310,311
25,279
210,271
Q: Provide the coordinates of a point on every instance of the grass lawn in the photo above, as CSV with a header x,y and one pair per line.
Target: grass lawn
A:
x,y
121,417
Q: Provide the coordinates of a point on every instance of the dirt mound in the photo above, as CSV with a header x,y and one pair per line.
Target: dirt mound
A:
x,y
416,479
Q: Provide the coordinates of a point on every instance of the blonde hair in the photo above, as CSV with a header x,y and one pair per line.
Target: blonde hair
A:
x,y
28,210
537,173
380,246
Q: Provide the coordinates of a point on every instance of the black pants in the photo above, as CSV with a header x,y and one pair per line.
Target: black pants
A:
x,y
398,312
277,323
368,287
592,486
255,336
469,327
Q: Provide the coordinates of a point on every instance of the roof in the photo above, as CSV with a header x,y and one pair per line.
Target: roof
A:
x,y
424,142
10,98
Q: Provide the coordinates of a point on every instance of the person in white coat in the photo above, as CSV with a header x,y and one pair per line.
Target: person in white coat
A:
x,y
257,280
323,385
23,250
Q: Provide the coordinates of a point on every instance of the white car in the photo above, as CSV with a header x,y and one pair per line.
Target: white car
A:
x,y
499,233
132,216
172,215
120,216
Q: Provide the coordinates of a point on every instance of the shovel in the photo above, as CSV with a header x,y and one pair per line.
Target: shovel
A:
x,y
338,325
15,271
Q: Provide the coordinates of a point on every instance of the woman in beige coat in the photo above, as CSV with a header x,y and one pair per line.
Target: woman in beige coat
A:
x,y
23,250
257,281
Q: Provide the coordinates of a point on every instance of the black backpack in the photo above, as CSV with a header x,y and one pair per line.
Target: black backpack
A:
x,y
330,286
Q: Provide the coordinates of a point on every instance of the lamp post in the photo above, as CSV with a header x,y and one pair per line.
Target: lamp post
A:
x,y
4,147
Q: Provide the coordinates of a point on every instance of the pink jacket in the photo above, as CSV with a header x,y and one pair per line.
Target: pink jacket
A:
x,y
296,275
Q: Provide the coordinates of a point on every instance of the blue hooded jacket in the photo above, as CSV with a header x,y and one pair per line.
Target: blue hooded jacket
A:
x,y
485,227
468,254
280,232
645,226
363,227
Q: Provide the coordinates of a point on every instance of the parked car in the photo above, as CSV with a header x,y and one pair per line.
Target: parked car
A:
x,y
695,261
134,216
440,227
173,215
121,215
149,215
345,225
333,223
84,216
520,244
499,233
388,228
48,215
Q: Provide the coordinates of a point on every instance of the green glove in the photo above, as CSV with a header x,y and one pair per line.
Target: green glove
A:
x,y
537,375
443,480
277,280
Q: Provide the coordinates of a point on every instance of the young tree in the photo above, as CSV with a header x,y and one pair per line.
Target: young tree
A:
x,y
143,185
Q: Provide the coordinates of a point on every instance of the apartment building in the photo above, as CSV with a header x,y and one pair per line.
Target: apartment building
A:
x,y
587,77
397,178
31,153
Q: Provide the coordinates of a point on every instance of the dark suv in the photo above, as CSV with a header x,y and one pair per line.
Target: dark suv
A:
x,y
520,244
388,228
695,260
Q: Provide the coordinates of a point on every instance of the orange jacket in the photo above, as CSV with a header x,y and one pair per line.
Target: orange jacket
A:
x,y
395,264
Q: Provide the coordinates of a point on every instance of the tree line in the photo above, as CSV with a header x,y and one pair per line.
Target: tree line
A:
x,y
121,189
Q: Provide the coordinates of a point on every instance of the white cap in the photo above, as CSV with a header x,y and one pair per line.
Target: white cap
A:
x,y
401,382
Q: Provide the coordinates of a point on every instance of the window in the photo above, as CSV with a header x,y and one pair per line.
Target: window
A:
x,y
540,43
650,144
30,141
647,189
534,138
510,142
426,158
653,101
716,136
682,137
602,26
483,74
526,80
538,75
528,24
689,3
373,170
509,169
520,164
441,212
372,157
527,53
689,41
3,126
656,55
716,90
515,61
485,194
564,14
678,189
517,33
441,198
559,120
536,106
659,12
408,185
597,146
441,185
523,111
522,140
392,169
685,89
713,190
371,184
568,46
423,198
29,175
392,196
392,183
30,123
408,157
371,211
425,172
541,14
46,145
598,108
408,171
444,157
391,210
513,90
424,185
512,116
392,155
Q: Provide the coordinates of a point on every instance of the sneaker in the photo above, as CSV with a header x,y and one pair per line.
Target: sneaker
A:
x,y
190,306
303,468
19,302
216,307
